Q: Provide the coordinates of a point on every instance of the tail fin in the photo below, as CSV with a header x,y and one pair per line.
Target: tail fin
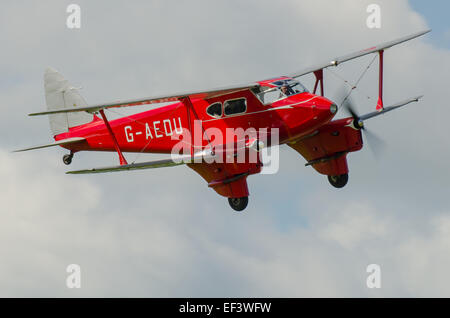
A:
x,y
60,94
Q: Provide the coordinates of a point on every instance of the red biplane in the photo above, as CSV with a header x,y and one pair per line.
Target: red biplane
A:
x,y
301,119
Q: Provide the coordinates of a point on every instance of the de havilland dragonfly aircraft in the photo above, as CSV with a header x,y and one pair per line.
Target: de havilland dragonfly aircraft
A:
x,y
301,119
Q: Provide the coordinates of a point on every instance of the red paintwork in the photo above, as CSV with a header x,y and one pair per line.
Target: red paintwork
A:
x,y
306,114
319,78
336,137
380,82
219,176
122,159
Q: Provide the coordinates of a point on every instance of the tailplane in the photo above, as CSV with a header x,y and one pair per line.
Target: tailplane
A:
x,y
59,94
63,142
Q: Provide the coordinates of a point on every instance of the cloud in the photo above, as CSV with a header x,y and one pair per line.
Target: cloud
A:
x,y
355,226
164,233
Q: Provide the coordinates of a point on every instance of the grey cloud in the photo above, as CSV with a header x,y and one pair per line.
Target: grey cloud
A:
x,y
164,233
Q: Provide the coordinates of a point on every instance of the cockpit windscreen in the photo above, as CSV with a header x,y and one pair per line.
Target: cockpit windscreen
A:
x,y
285,88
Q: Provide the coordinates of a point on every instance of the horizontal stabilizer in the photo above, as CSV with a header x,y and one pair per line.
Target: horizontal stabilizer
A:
x,y
348,57
389,108
56,143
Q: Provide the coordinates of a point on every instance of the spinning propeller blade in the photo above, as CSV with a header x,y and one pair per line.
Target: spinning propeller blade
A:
x,y
376,144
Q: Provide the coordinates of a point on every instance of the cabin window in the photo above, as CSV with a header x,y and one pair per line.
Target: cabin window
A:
x,y
268,95
235,106
214,110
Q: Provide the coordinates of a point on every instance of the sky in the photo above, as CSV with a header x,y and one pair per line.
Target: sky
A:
x,y
435,12
163,232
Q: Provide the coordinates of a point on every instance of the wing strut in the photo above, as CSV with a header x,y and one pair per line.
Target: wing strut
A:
x,y
319,78
189,106
380,83
122,159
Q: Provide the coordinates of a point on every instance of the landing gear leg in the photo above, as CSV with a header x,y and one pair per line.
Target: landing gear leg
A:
x,y
67,159
338,181
238,204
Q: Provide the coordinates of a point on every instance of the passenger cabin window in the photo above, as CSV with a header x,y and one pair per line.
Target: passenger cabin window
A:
x,y
235,106
214,110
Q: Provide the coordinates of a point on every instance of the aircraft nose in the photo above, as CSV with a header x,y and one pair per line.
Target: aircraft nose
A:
x,y
325,106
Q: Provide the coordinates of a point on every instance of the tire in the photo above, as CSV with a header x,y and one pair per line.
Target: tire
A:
x,y
338,181
67,159
238,204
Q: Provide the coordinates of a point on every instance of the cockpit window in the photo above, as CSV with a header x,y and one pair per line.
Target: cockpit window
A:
x,y
235,106
268,95
214,110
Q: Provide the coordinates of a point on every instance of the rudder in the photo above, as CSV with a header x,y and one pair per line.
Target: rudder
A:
x,y
60,94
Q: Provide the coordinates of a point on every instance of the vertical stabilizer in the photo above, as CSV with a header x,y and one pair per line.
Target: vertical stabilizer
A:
x,y
60,94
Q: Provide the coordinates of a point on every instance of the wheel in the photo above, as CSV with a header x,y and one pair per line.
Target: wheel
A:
x,y
338,181
67,159
238,204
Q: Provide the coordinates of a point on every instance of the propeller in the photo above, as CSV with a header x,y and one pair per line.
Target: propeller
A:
x,y
376,144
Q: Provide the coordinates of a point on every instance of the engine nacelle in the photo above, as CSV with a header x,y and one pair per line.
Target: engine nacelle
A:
x,y
326,149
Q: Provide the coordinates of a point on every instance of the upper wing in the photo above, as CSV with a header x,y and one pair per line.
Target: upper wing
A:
x,y
355,55
229,89
154,99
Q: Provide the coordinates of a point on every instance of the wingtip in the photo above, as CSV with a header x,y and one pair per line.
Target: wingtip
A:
x,y
424,32
40,113
85,171
74,171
